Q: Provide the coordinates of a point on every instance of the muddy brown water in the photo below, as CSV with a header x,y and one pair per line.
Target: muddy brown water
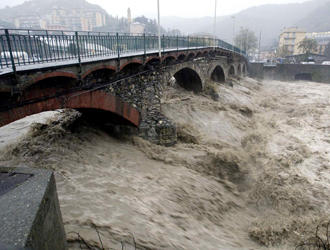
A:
x,y
250,171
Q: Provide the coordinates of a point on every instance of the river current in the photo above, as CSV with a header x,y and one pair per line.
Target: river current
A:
x,y
250,171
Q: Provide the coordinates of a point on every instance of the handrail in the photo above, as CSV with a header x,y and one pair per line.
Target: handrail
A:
x,y
28,47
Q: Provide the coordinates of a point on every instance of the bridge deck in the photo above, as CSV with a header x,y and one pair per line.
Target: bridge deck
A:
x,y
44,65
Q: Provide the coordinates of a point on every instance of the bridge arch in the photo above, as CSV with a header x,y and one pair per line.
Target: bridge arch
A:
x,y
231,72
191,56
303,76
218,75
97,100
152,58
181,57
98,68
169,59
45,76
199,54
130,62
205,53
189,79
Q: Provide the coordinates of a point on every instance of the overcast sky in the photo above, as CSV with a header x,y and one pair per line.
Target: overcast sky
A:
x,y
182,8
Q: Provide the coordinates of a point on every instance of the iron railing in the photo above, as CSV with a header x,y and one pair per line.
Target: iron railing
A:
x,y
29,47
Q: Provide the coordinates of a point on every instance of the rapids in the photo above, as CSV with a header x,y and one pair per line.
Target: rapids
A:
x,y
250,171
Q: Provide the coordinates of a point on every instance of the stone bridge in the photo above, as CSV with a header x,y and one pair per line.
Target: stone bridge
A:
x,y
124,91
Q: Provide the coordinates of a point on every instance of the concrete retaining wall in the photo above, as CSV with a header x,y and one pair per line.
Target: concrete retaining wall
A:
x,y
30,215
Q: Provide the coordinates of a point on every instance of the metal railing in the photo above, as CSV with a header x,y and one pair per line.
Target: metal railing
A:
x,y
29,47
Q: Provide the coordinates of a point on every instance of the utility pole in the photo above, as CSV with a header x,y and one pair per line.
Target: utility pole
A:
x,y
233,31
215,20
159,42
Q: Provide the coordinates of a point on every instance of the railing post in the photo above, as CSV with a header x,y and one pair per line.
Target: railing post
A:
x,y
11,53
144,44
118,50
163,43
50,54
78,51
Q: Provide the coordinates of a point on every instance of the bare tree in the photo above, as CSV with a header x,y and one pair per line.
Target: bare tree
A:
x,y
246,40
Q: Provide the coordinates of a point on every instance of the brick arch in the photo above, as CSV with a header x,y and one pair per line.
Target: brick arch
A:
x,y
79,100
130,62
174,56
48,75
185,54
98,68
151,58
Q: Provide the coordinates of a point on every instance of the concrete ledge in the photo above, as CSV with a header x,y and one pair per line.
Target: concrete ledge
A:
x,y
30,215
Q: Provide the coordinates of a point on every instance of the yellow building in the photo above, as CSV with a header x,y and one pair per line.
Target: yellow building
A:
x,y
291,37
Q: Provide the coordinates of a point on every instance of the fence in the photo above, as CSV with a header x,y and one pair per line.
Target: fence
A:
x,y
26,47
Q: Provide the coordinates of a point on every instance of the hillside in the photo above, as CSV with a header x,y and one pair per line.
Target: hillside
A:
x,y
271,18
45,7
318,20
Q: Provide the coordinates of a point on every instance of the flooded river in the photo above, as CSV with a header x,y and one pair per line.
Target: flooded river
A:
x,y
250,171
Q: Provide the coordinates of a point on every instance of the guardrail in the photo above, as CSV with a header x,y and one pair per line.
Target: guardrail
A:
x,y
25,47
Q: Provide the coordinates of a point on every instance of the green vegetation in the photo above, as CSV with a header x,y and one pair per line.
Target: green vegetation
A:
x,y
283,51
308,45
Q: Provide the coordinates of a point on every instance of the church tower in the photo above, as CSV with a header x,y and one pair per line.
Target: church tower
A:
x,y
129,16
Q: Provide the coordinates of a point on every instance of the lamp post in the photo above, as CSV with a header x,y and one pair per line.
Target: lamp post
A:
x,y
215,20
233,30
160,46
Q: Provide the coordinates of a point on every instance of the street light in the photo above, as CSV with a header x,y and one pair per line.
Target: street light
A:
x,y
160,46
233,30
215,20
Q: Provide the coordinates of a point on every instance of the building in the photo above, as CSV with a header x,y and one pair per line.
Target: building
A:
x,y
137,28
319,36
30,21
58,13
291,37
129,16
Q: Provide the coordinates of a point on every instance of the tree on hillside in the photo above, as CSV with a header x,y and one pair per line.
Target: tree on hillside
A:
x,y
246,40
308,45
283,51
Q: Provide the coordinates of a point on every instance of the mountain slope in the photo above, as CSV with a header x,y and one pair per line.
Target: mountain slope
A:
x,y
318,20
270,18
45,7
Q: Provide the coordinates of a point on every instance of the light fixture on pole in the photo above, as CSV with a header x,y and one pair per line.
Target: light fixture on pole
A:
x,y
159,42
215,21
233,31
